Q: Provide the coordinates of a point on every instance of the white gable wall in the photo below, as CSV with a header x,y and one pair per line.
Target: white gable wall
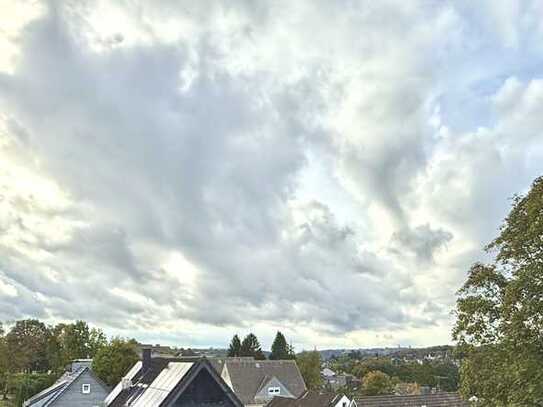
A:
x,y
343,402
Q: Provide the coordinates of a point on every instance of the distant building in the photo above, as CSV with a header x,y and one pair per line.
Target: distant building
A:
x,y
78,386
327,372
314,399
425,400
169,382
157,350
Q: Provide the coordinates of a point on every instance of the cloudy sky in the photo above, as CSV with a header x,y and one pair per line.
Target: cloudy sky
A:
x,y
179,171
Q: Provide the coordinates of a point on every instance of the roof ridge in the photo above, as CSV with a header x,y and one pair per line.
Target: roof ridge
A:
x,y
45,392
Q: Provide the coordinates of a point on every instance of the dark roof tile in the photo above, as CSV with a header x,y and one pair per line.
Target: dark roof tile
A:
x,y
441,399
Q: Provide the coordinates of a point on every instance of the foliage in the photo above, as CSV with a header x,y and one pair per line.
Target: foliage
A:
x,y
80,342
376,382
27,346
280,349
113,360
32,346
235,347
30,349
25,385
4,367
406,389
499,325
251,347
438,373
73,341
309,364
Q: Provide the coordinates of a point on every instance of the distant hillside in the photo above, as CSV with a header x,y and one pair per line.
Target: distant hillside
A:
x,y
327,354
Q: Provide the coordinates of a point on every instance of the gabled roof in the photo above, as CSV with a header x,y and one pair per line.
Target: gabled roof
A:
x,y
309,399
44,396
248,376
163,381
139,381
47,397
441,399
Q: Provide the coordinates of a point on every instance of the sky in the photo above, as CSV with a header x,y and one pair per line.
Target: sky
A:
x,y
180,171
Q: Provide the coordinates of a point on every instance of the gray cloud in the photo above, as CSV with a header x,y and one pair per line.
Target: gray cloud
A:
x,y
422,241
161,178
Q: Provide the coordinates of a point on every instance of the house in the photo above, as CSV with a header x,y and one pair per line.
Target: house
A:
x,y
257,382
78,386
314,399
442,399
327,372
171,382
157,350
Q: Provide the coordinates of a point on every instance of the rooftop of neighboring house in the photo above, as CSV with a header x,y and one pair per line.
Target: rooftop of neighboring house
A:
x,y
158,381
156,350
327,372
47,397
441,399
309,399
250,379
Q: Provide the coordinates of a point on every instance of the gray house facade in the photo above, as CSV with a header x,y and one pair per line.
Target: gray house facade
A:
x,y
77,387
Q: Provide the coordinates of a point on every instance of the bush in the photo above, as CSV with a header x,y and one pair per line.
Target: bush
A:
x,y
25,385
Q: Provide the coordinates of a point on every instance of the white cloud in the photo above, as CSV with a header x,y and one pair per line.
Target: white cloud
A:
x,y
326,169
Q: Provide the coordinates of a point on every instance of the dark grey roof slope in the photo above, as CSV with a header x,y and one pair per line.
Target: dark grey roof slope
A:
x,y
309,399
426,400
249,375
47,397
143,381
157,365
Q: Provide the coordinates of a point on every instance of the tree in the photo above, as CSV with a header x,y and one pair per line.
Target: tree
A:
x,y
79,341
72,341
234,349
251,347
280,349
291,352
4,367
112,361
56,356
26,344
309,364
24,386
376,382
499,313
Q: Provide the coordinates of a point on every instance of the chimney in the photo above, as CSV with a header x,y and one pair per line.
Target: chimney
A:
x,y
145,359
126,383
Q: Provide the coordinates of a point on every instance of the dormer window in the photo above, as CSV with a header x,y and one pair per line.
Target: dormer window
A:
x,y
85,389
272,391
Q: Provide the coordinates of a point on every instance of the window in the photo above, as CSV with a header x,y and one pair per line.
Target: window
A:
x,y
274,390
85,389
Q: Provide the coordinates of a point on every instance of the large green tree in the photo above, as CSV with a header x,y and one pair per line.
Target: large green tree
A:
x,y
73,341
280,349
499,326
80,341
26,344
309,364
114,360
234,349
376,382
251,347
